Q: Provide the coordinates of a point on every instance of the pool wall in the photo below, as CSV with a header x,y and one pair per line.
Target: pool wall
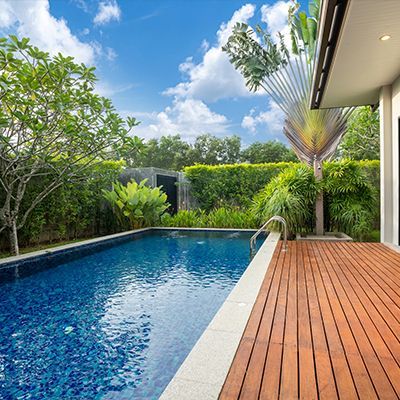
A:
x,y
15,267
203,373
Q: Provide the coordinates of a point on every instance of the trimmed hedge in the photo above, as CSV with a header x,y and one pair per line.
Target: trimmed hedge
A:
x,y
214,186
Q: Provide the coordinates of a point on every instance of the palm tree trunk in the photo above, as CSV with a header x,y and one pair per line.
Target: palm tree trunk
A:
x,y
319,203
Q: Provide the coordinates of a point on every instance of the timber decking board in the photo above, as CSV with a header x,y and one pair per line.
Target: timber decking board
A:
x,y
325,325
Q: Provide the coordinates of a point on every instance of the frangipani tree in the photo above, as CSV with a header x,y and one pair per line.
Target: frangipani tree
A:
x,y
286,75
53,126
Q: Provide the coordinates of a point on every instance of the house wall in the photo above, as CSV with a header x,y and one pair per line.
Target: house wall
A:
x,y
390,146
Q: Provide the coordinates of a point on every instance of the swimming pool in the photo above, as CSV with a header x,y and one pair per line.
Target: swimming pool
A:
x,y
118,323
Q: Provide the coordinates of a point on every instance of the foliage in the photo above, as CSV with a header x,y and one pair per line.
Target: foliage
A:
x,y
223,217
291,195
362,138
184,218
268,152
351,199
286,76
168,152
236,185
52,127
71,211
141,205
229,185
208,149
171,152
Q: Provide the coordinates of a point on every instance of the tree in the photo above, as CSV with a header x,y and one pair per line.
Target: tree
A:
x,y
169,152
211,150
362,138
286,76
52,126
268,152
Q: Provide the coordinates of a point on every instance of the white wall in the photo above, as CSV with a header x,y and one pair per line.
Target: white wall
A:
x,y
389,121
386,166
396,166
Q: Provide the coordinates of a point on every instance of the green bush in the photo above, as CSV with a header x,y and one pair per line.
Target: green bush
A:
x,y
351,201
215,186
184,218
141,205
218,218
237,184
74,210
291,195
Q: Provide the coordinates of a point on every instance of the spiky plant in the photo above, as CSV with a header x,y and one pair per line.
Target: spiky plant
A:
x,y
286,76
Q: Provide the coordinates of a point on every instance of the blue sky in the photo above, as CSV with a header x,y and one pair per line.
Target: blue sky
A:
x,y
159,61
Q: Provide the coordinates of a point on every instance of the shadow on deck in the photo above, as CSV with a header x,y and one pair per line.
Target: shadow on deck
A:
x,y
325,325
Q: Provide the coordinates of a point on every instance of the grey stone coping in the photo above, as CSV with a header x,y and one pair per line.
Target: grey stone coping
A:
x,y
203,373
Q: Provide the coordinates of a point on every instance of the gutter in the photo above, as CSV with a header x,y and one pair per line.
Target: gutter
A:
x,y
331,22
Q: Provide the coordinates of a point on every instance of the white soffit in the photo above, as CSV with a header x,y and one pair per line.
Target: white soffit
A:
x,y
362,62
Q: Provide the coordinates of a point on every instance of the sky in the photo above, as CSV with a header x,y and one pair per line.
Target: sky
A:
x,y
160,61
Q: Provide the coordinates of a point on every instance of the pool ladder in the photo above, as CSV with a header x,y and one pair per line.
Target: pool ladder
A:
x,y
253,240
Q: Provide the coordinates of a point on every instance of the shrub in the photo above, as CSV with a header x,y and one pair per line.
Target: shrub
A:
x,y
291,195
236,185
71,211
218,218
351,202
215,186
184,218
141,205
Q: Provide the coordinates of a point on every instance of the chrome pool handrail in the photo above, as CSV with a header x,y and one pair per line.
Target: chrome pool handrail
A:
x,y
253,239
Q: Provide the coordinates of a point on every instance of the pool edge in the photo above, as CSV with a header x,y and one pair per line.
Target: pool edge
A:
x,y
203,372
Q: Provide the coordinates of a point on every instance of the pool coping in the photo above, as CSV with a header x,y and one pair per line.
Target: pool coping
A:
x,y
202,374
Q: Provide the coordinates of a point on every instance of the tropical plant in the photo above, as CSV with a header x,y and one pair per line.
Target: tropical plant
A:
x,y
228,217
224,217
184,218
52,127
139,204
291,195
286,75
351,199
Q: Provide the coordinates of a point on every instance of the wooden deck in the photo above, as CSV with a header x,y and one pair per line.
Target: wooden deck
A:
x,y
326,324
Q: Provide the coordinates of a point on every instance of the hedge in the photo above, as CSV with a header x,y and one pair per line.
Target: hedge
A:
x,y
213,186
74,210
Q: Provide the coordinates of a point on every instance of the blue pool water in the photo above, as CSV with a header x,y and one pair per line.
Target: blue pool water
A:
x,y
116,324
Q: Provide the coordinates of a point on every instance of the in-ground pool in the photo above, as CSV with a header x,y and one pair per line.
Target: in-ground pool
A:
x,y
118,323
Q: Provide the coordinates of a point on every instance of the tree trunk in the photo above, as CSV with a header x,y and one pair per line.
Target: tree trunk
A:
x,y
319,203
13,235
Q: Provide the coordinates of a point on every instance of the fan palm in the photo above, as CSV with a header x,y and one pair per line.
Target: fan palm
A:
x,y
286,76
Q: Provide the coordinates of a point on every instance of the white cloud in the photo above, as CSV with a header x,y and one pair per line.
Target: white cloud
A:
x,y
33,19
187,117
214,77
108,11
106,89
270,121
275,17
111,54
